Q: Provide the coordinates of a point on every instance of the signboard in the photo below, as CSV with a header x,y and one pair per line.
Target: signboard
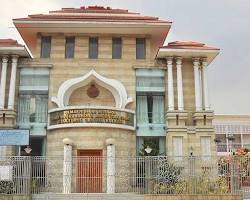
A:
x,y
14,137
92,116
6,172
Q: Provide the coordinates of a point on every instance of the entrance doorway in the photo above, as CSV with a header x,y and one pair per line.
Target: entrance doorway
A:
x,y
89,171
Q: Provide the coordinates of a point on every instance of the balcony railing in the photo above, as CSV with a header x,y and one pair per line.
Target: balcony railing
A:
x,y
150,118
226,148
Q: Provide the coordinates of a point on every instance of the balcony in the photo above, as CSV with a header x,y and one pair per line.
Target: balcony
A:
x,y
226,148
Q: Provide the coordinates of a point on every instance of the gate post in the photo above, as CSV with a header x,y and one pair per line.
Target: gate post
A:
x,y
234,175
110,165
67,165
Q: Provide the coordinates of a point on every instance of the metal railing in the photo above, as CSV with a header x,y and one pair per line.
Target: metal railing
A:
x,y
226,148
142,175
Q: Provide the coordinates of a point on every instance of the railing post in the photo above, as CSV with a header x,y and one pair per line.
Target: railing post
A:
x,y
192,177
67,165
234,176
110,165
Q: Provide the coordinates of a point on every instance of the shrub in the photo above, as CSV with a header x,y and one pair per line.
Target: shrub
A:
x,y
6,187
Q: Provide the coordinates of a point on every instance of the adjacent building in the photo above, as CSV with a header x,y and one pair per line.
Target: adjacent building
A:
x,y
232,133
101,75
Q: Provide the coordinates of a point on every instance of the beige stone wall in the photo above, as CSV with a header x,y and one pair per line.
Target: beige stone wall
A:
x,y
80,97
231,118
119,69
91,138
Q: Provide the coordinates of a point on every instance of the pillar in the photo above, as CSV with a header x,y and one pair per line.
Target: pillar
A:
x,y
205,84
179,83
67,165
12,83
170,84
197,86
3,81
110,165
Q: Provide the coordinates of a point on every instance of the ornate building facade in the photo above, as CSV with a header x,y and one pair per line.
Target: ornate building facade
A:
x,y
100,75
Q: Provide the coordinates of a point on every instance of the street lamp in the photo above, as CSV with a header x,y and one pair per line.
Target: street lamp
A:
x,y
148,150
28,150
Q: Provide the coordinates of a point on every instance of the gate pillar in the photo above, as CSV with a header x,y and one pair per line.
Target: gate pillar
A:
x,y
110,165
67,165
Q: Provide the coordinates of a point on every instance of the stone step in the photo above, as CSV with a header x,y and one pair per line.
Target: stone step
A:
x,y
85,196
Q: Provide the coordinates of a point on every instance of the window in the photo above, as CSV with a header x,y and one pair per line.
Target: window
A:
x,y
116,48
70,47
140,48
150,90
177,147
150,109
45,46
93,47
206,147
37,144
32,108
33,97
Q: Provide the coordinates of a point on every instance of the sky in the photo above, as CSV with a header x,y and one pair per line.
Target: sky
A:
x,y
220,23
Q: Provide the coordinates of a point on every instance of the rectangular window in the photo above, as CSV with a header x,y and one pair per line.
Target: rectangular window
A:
x,y
93,47
45,46
116,48
32,109
177,147
70,47
206,147
150,109
33,97
140,48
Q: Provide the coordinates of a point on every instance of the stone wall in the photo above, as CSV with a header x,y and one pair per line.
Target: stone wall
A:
x,y
14,197
193,197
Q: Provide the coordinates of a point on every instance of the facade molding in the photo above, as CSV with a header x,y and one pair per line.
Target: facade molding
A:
x,y
115,87
100,125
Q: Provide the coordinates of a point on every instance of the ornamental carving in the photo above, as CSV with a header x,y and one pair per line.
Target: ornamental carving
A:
x,y
93,91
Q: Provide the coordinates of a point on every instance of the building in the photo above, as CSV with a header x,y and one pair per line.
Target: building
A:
x,y
101,75
236,127
11,53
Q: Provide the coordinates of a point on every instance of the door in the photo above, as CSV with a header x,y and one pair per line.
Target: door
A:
x,y
89,171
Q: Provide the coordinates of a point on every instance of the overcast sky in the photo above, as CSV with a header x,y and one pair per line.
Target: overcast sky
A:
x,y
221,23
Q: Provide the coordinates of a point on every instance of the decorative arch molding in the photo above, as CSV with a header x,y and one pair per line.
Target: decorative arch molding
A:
x,y
114,86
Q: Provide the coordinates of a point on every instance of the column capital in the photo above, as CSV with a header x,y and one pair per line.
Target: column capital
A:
x,y
178,60
14,58
204,61
196,61
169,60
5,59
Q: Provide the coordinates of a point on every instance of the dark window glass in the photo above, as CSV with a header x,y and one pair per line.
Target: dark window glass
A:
x,y
45,46
93,47
116,48
70,47
140,48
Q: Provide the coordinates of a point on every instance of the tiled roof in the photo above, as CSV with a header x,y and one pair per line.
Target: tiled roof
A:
x,y
188,45
93,13
9,43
